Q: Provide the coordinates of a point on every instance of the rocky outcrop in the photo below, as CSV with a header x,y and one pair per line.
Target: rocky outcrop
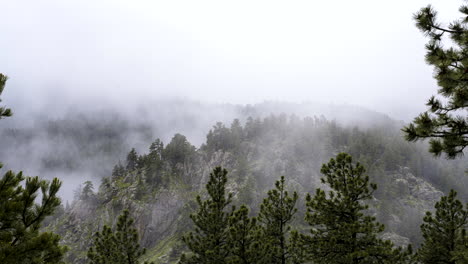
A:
x,y
398,241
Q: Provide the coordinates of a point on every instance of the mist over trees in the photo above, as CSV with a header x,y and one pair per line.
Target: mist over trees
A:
x,y
271,183
21,218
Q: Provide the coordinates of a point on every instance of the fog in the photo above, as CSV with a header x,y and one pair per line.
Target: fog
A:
x,y
90,53
165,67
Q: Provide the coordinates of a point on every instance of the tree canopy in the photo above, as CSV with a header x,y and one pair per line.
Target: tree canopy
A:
x,y
446,121
119,245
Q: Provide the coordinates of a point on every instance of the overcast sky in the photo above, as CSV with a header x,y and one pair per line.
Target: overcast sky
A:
x,y
363,52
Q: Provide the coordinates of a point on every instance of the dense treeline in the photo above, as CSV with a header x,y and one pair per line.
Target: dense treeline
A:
x,y
261,150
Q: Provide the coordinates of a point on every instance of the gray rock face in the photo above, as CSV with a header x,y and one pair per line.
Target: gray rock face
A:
x,y
398,241
159,218
417,189
412,198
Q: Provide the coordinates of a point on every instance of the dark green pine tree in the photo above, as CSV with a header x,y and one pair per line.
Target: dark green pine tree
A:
x,y
118,170
208,243
87,192
276,213
4,112
132,160
20,220
446,121
444,232
340,231
119,246
244,239
21,217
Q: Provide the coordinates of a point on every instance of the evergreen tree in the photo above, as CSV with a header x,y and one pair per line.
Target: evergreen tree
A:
x,y
208,243
444,232
20,220
178,151
21,217
154,163
276,213
446,122
341,232
117,247
87,191
132,160
244,239
4,112
118,170
157,148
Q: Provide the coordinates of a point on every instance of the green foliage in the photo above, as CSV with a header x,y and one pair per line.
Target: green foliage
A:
x,y
21,217
340,231
154,163
445,123
276,213
119,246
444,232
4,112
87,191
118,170
209,241
222,138
179,150
244,239
20,220
132,160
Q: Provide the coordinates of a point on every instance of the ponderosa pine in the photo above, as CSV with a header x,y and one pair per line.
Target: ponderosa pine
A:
x,y
444,232
244,240
208,243
276,213
446,121
119,246
340,231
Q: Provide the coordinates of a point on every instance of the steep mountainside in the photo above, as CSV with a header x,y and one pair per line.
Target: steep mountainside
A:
x,y
159,187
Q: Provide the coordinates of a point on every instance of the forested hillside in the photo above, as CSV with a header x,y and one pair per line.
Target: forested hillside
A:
x,y
233,132
86,144
159,185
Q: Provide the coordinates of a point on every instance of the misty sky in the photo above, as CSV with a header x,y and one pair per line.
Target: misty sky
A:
x,y
363,52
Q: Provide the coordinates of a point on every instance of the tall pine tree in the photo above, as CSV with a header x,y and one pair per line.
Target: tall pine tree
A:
x,y
208,243
276,213
444,232
244,239
341,232
446,121
119,246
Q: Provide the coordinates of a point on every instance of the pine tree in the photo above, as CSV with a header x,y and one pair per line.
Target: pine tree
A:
x,y
244,239
340,231
20,220
208,243
21,217
276,213
444,232
87,192
118,170
132,160
117,247
4,112
446,122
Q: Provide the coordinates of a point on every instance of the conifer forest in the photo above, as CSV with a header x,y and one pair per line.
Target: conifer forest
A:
x,y
247,132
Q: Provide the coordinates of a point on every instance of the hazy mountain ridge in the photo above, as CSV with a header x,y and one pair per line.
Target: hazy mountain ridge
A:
x,y
55,141
159,187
